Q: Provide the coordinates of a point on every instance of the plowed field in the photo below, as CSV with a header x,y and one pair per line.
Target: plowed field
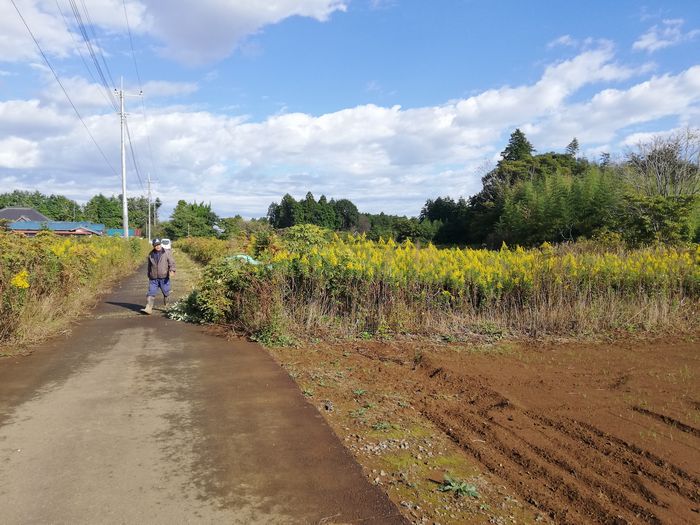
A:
x,y
577,433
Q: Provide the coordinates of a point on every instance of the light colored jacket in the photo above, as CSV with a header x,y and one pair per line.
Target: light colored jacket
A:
x,y
162,269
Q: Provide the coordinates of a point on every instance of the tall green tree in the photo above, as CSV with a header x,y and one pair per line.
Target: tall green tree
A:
x,y
104,210
191,219
572,148
55,207
347,214
518,148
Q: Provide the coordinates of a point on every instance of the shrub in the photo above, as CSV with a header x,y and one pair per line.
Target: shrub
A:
x,y
48,266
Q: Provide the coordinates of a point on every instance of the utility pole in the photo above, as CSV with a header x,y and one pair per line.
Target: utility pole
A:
x,y
149,206
122,121
122,118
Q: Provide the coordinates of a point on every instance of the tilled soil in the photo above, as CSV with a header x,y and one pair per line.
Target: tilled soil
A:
x,y
582,433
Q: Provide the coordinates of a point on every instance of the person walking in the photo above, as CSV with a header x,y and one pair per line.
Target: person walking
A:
x,y
161,267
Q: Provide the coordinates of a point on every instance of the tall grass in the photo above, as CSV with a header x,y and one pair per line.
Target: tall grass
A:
x,y
353,286
205,249
46,279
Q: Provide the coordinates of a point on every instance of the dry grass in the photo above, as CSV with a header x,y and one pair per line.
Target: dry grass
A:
x,y
54,314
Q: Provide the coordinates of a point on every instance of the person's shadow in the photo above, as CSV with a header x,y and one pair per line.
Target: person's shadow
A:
x,y
129,306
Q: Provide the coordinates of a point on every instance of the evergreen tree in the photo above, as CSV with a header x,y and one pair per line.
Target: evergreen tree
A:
x,y
518,148
55,207
347,214
325,214
191,220
105,210
572,148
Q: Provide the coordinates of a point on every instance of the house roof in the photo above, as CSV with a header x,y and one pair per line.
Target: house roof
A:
x,y
56,226
22,214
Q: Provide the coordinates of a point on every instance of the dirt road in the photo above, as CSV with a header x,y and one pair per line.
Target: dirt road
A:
x,y
137,419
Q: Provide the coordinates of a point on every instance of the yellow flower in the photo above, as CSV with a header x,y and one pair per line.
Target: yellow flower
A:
x,y
21,280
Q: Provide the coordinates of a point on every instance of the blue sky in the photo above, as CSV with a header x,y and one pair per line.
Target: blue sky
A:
x,y
385,102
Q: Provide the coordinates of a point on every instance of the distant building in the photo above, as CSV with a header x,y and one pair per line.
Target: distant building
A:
x,y
31,228
119,232
22,214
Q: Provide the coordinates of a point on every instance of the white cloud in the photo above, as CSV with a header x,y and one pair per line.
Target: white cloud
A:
x,y
84,94
564,40
669,33
209,30
46,24
159,88
192,32
384,158
602,117
17,153
31,119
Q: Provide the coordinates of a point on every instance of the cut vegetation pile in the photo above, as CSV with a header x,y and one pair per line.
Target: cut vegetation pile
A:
x,y
45,279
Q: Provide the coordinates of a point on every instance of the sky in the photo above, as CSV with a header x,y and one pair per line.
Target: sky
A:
x,y
385,102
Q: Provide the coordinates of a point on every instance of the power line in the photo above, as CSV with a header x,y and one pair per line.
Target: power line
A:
x,y
93,54
138,77
80,53
94,34
58,80
131,43
133,155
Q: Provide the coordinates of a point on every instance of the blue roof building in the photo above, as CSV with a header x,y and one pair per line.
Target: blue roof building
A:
x,y
31,228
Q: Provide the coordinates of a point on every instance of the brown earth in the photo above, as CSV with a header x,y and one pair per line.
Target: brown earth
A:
x,y
572,433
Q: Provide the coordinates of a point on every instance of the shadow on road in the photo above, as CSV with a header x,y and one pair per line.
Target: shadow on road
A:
x,y
129,306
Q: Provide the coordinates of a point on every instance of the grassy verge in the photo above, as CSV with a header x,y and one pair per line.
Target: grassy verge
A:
x,y
47,281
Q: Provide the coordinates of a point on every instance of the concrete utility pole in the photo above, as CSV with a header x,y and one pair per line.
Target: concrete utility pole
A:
x,y
122,120
149,207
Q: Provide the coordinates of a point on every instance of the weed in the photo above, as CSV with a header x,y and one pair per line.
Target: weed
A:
x,y
358,413
382,425
458,487
359,392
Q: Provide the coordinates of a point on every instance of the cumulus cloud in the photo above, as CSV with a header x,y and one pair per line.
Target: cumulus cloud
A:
x,y
46,24
668,33
191,32
17,153
209,30
364,152
564,40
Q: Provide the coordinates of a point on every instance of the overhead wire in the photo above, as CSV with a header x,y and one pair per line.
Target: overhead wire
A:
x,y
65,92
80,53
93,54
138,77
91,26
133,155
131,43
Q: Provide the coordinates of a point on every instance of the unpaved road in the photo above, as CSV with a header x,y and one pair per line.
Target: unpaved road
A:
x,y
137,419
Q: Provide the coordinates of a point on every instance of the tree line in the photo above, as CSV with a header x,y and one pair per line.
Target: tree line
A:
x,y
652,194
99,209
